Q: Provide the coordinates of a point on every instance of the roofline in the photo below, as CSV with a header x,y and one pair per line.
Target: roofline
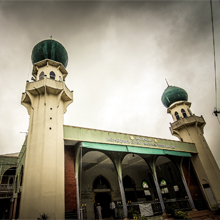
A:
x,y
125,133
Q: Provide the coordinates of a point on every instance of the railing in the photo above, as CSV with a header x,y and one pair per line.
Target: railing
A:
x,y
188,120
179,204
6,188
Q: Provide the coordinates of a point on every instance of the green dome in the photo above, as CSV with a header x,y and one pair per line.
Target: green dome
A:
x,y
173,94
49,49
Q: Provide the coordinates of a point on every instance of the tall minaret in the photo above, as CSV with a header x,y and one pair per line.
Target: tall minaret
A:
x,y
46,100
189,128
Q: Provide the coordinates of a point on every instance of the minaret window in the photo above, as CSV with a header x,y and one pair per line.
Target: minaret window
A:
x,y
41,76
177,116
52,75
184,113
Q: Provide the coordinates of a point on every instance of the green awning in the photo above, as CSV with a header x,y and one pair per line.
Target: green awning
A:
x,y
143,150
134,150
177,153
109,147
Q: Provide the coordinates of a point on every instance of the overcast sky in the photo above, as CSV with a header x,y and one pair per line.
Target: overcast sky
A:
x,y
119,56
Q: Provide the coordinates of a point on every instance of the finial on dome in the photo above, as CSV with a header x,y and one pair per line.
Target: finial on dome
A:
x,y
167,82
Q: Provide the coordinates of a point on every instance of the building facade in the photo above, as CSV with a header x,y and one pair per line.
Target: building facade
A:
x,y
65,171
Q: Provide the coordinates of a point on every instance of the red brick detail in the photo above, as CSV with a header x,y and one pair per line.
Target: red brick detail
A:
x,y
191,179
70,180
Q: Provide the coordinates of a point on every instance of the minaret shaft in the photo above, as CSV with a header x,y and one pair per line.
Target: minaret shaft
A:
x,y
43,190
43,185
190,129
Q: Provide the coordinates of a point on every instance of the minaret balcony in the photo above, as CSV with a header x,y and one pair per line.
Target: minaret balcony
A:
x,y
50,86
191,120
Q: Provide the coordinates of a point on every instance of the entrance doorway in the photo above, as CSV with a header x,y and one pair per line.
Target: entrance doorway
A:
x,y
104,199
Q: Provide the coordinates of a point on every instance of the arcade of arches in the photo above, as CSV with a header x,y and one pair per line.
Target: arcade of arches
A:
x,y
130,179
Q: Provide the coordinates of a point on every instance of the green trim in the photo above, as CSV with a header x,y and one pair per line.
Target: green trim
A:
x,y
132,149
177,153
141,150
108,147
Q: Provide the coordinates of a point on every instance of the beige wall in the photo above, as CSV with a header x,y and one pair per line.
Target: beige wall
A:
x,y
190,129
43,183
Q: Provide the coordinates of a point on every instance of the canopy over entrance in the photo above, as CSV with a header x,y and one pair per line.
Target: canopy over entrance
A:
x,y
132,149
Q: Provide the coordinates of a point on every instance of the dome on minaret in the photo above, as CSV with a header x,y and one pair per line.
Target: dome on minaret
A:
x,y
173,94
49,49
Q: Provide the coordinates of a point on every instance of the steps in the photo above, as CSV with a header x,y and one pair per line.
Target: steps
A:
x,y
71,215
204,214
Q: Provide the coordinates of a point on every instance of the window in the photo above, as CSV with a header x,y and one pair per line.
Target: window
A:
x,y
163,189
41,76
145,186
184,113
177,116
101,182
52,75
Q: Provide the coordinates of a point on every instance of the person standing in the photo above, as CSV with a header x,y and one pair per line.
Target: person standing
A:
x,y
112,208
99,211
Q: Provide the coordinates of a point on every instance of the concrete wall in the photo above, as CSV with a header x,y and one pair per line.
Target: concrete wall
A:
x,y
43,184
190,129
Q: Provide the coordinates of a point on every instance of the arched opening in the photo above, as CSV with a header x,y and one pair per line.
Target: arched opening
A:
x,y
8,176
130,189
103,197
147,192
164,189
6,191
41,76
98,180
177,116
184,113
137,176
171,185
101,182
52,75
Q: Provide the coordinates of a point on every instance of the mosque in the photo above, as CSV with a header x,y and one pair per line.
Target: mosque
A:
x,y
63,171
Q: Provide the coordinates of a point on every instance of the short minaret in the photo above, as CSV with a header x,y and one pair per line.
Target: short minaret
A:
x,y
189,128
46,100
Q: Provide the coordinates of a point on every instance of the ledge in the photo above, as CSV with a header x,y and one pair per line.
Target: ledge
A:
x,y
188,121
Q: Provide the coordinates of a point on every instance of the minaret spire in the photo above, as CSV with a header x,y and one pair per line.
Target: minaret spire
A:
x,y
167,82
